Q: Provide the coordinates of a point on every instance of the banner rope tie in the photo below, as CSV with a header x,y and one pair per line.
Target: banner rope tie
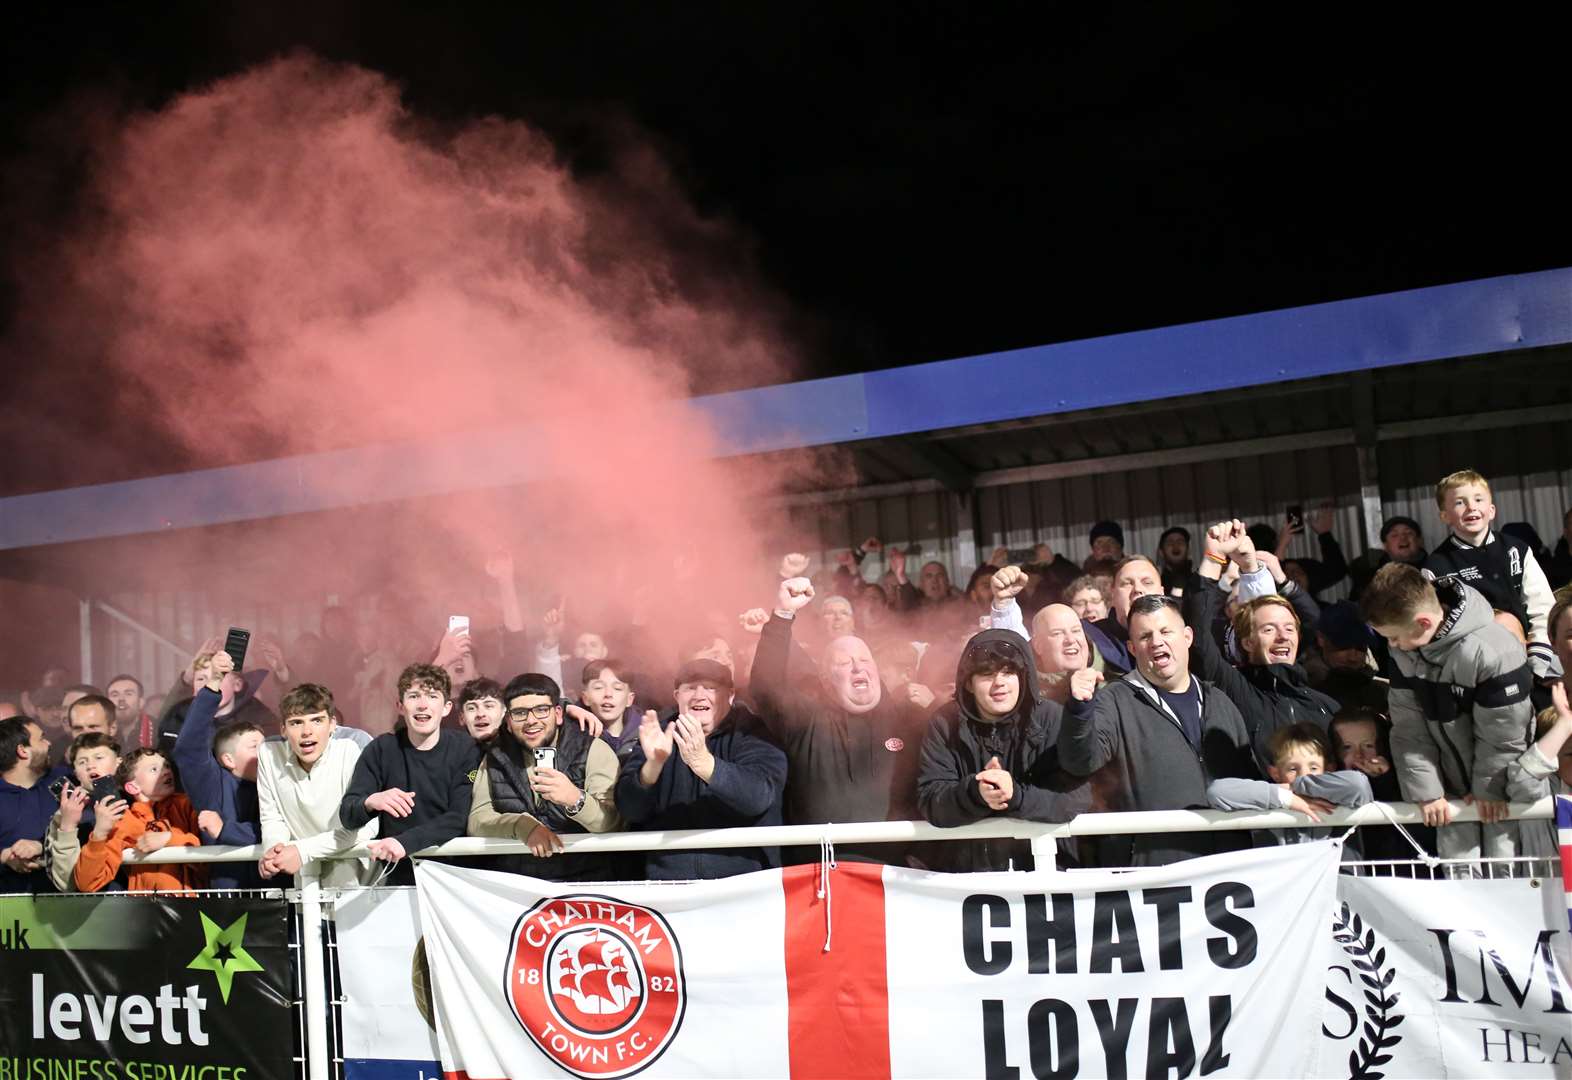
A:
x,y
826,866
1425,857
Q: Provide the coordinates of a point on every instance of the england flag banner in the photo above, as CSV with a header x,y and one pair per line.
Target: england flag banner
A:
x,y
859,970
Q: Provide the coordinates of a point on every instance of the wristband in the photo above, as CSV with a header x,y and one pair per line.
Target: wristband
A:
x,y
1220,560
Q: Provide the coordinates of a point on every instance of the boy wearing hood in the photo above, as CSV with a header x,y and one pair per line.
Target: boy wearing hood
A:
x,y
1461,712
993,751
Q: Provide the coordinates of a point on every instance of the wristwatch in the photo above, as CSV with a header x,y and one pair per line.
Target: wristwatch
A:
x,y
573,810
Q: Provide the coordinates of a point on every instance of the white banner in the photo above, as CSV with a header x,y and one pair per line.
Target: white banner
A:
x,y
1464,978
1194,969
387,1021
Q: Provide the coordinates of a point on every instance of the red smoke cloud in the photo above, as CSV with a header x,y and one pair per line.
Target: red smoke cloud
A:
x,y
289,261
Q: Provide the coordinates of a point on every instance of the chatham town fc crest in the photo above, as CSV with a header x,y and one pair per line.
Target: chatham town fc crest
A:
x,y
596,983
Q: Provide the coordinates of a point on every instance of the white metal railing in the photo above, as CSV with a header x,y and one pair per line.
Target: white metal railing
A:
x,y
313,899
892,832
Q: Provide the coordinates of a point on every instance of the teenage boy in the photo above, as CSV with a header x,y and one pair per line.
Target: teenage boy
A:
x,y
543,778
1550,757
301,782
607,691
1299,782
92,757
153,816
1460,705
218,770
1500,566
416,780
25,804
481,709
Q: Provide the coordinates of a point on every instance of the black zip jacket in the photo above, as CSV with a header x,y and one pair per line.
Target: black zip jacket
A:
x,y
1269,697
960,742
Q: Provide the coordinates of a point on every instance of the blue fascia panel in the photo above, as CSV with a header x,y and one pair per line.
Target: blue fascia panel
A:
x,y
1467,319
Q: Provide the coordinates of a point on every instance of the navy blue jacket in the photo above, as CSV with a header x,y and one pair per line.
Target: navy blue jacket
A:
x,y
210,786
745,789
24,815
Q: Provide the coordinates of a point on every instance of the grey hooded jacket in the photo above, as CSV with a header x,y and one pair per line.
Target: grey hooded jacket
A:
x,y
1461,714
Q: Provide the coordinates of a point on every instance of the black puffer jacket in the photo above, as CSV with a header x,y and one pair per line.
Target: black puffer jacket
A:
x,y
960,742
1269,696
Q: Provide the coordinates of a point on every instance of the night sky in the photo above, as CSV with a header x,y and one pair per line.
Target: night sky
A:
x,y
925,181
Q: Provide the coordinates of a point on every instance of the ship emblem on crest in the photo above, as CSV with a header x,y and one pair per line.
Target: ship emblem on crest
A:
x,y
597,984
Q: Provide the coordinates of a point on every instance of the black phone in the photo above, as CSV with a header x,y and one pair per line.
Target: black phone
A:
x,y
236,643
1296,516
105,787
57,788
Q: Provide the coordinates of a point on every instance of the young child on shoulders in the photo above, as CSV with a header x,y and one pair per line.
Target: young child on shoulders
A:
x,y
153,816
1299,782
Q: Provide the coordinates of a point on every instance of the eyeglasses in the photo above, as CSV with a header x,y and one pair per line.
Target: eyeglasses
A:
x,y
537,712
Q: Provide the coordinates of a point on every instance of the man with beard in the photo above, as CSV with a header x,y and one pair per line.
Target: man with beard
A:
x,y
994,752
1163,734
853,750
542,778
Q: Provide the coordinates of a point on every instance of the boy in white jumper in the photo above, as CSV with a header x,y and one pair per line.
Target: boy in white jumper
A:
x,y
300,783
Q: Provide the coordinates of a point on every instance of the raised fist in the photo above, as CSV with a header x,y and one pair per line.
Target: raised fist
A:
x,y
1222,539
499,566
1083,683
753,620
871,545
1008,582
794,565
897,560
794,595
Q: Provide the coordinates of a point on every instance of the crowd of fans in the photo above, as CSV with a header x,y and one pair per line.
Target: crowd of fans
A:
x,y
1205,675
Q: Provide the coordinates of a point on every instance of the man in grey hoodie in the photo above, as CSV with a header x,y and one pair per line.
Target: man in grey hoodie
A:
x,y
1155,738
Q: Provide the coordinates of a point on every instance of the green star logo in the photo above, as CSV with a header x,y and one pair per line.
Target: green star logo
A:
x,y
224,954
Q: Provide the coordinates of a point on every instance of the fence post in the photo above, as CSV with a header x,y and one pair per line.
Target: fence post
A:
x,y
1044,852
314,983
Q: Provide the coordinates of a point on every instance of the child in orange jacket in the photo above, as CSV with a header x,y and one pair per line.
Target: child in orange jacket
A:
x,y
156,817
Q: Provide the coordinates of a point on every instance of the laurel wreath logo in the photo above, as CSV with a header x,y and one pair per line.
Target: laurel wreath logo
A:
x,y
1359,942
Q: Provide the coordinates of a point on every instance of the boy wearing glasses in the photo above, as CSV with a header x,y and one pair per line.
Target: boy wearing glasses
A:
x,y
415,780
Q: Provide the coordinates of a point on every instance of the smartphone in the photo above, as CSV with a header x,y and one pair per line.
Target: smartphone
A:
x,y
1296,516
458,624
236,642
546,757
57,788
104,788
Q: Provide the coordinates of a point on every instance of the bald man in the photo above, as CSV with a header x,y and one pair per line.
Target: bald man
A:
x,y
852,750
1060,651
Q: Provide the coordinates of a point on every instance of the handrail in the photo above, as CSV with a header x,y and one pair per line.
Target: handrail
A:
x,y
1110,823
